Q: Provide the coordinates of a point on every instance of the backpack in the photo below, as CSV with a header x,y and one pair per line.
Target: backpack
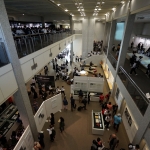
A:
x,y
53,132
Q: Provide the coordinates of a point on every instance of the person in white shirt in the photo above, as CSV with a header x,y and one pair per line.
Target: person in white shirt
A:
x,y
62,90
50,89
58,90
50,133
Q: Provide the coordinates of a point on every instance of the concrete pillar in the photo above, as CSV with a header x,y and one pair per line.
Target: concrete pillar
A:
x,y
111,35
126,39
87,35
21,96
43,21
71,52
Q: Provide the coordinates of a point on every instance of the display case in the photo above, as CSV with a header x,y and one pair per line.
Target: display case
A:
x,y
97,123
8,120
94,96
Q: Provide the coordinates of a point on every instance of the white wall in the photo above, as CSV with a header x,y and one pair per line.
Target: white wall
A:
x,y
26,140
99,31
146,29
138,5
77,26
8,84
77,45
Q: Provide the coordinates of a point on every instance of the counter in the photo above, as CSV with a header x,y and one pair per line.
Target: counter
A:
x,y
97,123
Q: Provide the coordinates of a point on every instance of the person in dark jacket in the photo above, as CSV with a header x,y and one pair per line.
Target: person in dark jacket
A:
x,y
84,101
52,119
80,96
65,103
41,139
72,103
35,95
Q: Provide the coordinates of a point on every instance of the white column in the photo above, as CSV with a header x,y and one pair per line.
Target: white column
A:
x,y
87,35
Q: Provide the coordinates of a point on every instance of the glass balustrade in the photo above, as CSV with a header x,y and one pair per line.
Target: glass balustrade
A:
x,y
137,95
27,44
3,55
112,60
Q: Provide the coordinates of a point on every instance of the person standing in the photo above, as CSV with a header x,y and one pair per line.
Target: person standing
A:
x,y
63,90
101,99
148,70
108,119
80,96
113,141
117,121
115,108
72,103
52,119
61,124
50,133
41,139
65,103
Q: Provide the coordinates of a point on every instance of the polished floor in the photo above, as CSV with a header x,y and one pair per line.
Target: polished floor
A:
x,y
78,125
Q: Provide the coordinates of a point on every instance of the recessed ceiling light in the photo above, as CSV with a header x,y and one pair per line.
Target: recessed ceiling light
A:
x,y
23,14
58,4
80,3
82,9
99,9
96,6
78,9
103,2
72,15
122,2
95,9
66,9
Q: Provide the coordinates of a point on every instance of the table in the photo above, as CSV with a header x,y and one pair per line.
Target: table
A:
x,y
83,73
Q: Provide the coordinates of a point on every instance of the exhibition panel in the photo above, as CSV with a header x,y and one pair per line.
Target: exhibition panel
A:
x,y
26,141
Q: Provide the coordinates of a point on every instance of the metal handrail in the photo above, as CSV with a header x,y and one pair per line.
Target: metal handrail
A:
x,y
19,36
135,85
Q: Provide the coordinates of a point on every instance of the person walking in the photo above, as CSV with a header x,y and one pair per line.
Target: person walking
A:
x,y
61,124
107,96
65,103
133,68
113,141
89,97
41,139
84,101
117,121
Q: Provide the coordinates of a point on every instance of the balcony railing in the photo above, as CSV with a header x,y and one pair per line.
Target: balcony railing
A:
x,y
112,60
137,95
3,55
27,44
77,31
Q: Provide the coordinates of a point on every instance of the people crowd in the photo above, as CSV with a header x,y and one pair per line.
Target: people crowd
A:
x,y
36,30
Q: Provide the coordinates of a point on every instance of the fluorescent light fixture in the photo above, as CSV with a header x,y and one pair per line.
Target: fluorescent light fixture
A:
x,y
99,9
96,6
82,9
66,9
103,2
80,3
78,9
23,14
72,15
58,4
122,2
95,9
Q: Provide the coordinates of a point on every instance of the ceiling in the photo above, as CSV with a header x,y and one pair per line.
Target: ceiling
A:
x,y
52,7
